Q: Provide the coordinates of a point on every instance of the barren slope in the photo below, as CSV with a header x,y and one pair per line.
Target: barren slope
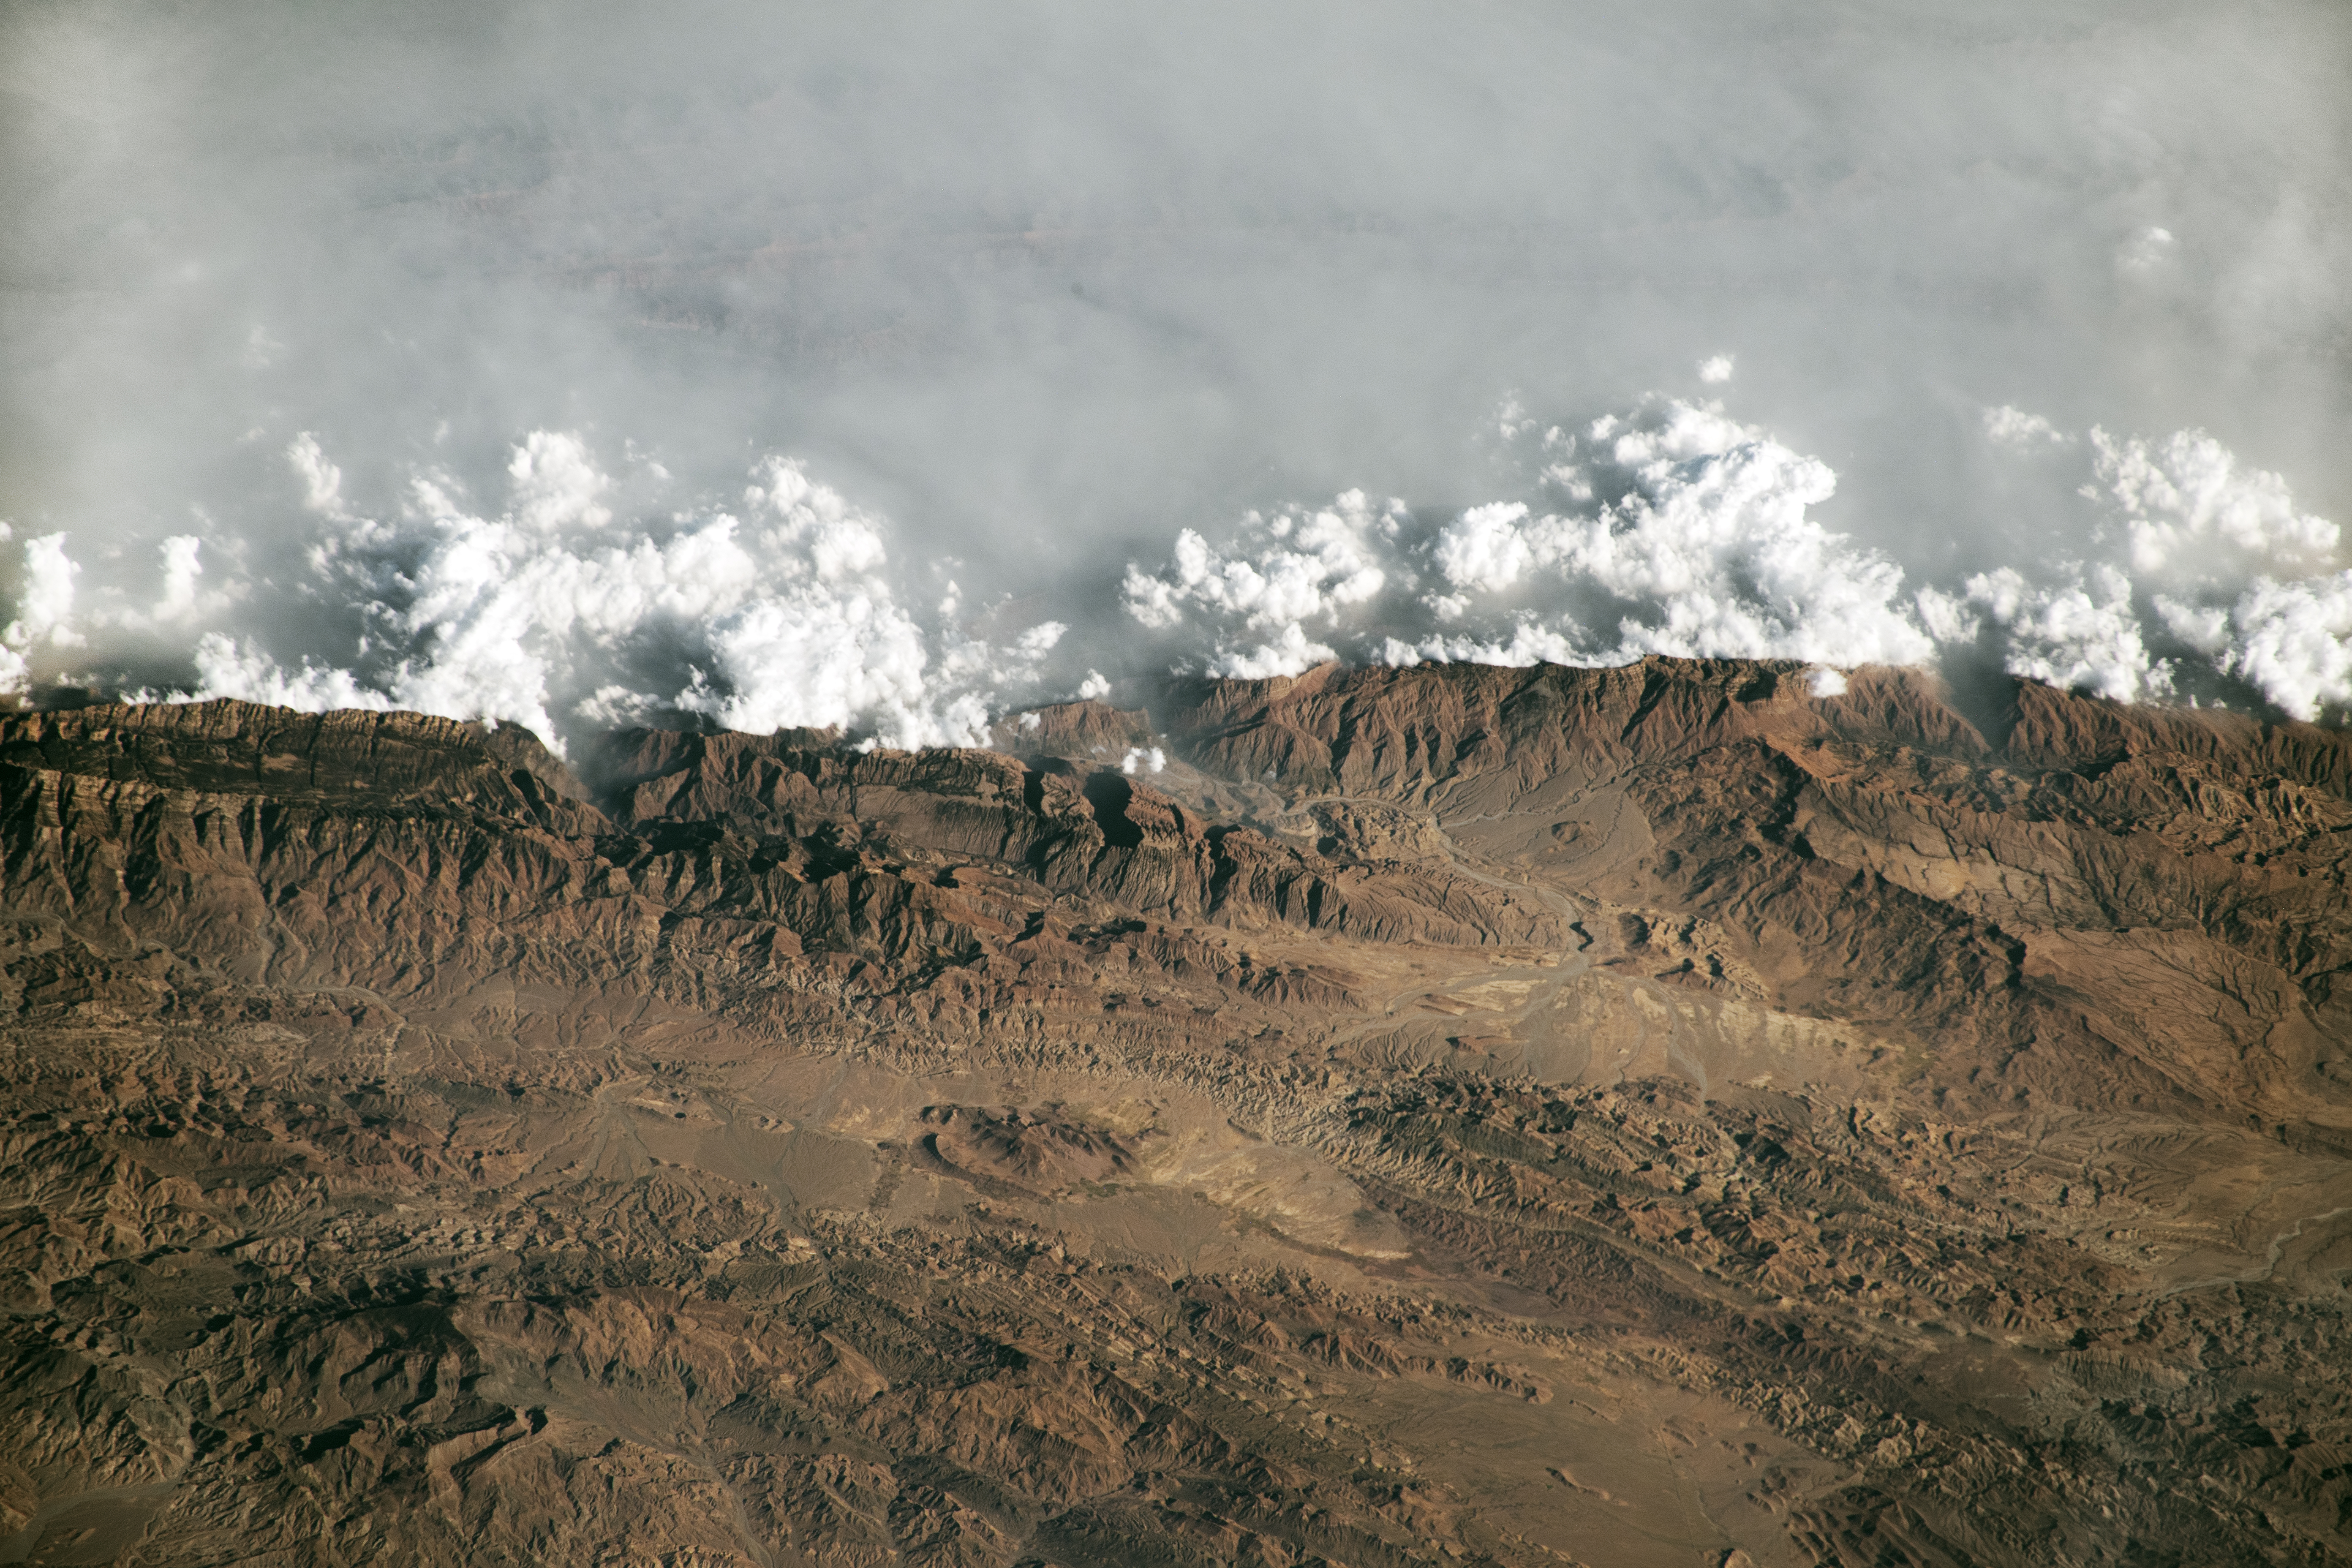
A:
x,y
1619,1117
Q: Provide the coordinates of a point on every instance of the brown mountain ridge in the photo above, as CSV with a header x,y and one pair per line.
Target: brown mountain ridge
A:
x,y
1644,1116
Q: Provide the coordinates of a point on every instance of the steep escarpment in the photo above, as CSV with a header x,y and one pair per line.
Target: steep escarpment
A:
x,y
1086,832
737,861
1642,1116
2113,901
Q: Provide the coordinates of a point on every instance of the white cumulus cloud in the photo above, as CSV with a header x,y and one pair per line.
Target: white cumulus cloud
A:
x,y
549,612
2192,510
568,600
1257,595
45,607
2147,249
1707,547
2015,427
2218,552
2082,635
2291,641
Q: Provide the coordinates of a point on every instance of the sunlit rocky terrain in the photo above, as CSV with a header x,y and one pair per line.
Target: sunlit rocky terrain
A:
x,y
1451,1115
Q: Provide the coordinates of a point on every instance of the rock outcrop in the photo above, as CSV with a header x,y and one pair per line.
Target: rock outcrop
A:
x,y
1650,1115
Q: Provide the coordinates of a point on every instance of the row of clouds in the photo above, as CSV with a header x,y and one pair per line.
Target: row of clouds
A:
x,y
1028,289
1676,530
578,600
2204,555
1673,529
552,612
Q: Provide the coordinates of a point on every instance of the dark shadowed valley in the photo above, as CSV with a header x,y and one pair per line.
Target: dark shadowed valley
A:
x,y
1629,1116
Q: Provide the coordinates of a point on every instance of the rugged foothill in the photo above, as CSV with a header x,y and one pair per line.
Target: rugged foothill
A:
x,y
1643,1116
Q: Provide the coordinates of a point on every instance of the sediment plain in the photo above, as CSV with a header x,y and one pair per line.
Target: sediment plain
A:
x,y
1636,1117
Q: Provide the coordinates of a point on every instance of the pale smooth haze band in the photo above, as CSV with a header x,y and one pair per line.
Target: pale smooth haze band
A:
x,y
896,367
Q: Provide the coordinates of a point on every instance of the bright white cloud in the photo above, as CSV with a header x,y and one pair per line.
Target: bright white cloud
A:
x,y
1489,547
810,657
227,667
44,615
2233,570
557,484
1715,533
2078,635
2015,427
1527,644
1707,550
322,481
183,566
1670,529
546,613
2291,641
1042,639
2193,512
1946,616
1281,573
1685,533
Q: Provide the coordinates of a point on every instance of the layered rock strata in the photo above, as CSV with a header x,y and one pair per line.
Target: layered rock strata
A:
x,y
1616,1116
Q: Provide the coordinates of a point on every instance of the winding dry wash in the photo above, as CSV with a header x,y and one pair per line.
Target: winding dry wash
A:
x,y
1657,1115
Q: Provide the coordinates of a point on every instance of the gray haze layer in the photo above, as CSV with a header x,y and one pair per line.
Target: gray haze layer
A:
x,y
868,366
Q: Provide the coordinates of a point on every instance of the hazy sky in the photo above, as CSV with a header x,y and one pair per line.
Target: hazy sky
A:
x,y
569,364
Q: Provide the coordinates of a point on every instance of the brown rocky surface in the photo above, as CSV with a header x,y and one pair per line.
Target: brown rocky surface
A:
x,y
1446,1115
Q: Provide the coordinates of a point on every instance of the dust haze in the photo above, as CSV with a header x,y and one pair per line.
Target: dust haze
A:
x,y
894,370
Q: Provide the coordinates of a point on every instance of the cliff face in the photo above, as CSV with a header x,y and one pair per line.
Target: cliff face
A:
x,y
1649,1115
2113,902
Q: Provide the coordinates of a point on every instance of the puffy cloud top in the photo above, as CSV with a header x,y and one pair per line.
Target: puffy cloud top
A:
x,y
587,598
550,614
1282,572
1704,548
2217,557
2192,510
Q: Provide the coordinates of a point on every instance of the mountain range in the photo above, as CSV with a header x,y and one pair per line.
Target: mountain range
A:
x,y
1447,1115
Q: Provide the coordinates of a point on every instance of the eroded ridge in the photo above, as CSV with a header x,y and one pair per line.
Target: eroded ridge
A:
x,y
1632,1116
